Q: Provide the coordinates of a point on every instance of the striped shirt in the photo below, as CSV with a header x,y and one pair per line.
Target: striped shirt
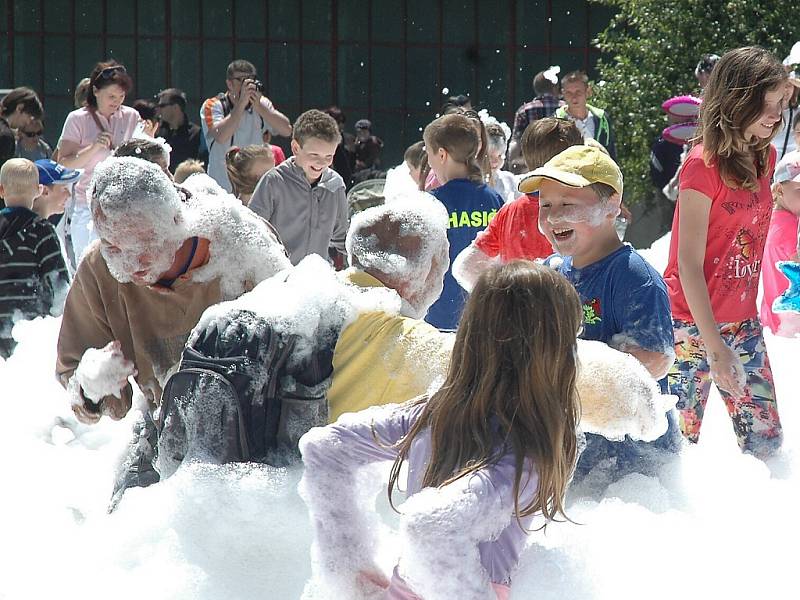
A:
x,y
33,276
538,108
249,132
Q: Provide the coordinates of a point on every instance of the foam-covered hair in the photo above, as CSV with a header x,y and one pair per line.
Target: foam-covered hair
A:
x,y
398,237
404,244
128,185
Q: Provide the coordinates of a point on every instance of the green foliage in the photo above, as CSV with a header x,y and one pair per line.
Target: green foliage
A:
x,y
651,48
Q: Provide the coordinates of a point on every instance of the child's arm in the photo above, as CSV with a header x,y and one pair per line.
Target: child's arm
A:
x,y
656,363
796,257
482,253
84,326
342,223
726,370
261,201
470,263
342,512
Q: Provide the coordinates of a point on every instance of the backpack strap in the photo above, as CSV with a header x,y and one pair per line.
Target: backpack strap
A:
x,y
227,106
788,132
96,120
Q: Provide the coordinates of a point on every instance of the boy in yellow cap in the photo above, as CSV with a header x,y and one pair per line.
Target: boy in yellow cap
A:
x,y
625,301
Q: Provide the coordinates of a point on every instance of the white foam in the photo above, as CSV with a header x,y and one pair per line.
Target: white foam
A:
x,y
414,256
309,301
618,395
101,372
242,532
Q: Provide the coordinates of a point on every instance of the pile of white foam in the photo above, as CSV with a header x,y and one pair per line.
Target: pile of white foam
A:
x,y
712,524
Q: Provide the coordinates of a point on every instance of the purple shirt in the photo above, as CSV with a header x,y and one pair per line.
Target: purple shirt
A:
x,y
350,443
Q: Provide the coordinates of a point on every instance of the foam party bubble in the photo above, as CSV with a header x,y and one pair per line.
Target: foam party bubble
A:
x,y
242,531
593,214
309,301
414,255
142,214
618,395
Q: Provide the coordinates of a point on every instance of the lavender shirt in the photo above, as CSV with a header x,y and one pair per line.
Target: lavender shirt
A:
x,y
353,444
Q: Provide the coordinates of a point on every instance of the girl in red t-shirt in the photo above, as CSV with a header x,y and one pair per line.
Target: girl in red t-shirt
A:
x,y
717,245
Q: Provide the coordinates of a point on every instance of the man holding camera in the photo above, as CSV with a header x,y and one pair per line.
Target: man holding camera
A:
x,y
238,117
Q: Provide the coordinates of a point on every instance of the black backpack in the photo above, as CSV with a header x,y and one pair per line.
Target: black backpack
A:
x,y
241,395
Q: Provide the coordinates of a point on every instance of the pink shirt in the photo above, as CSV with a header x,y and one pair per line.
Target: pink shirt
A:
x,y
82,129
781,245
737,231
431,181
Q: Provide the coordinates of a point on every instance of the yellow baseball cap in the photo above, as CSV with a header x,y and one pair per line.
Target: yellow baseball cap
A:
x,y
577,166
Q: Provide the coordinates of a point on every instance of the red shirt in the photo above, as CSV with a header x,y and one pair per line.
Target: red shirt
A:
x,y
514,232
277,154
737,231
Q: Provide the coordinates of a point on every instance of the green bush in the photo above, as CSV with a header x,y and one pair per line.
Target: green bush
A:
x,y
650,50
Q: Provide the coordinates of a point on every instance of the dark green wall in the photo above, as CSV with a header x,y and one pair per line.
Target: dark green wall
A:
x,y
385,60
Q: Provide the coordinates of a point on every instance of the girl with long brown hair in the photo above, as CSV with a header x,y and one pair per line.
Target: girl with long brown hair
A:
x,y
718,235
493,448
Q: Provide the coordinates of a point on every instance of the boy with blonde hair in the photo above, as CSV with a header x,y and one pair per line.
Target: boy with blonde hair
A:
x,y
33,276
188,168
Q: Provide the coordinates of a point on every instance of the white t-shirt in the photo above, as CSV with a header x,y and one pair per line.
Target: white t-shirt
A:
x,y
250,131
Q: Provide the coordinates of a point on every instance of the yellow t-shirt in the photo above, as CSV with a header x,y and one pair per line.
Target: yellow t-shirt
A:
x,y
382,358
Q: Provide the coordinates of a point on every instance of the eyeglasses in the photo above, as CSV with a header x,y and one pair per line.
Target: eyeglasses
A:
x,y
108,72
31,134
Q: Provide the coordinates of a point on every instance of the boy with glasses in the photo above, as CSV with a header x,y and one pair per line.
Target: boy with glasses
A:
x,y
238,117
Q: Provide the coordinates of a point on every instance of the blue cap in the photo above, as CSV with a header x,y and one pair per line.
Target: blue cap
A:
x,y
52,173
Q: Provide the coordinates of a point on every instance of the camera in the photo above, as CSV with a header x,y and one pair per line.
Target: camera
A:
x,y
259,85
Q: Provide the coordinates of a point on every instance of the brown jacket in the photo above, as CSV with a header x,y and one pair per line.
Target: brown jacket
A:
x,y
151,325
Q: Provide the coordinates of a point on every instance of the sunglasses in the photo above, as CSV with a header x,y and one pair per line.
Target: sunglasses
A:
x,y
108,72
31,134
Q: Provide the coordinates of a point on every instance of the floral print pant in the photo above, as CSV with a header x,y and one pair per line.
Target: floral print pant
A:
x,y
755,414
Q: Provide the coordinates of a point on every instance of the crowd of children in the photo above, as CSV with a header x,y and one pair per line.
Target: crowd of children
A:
x,y
499,439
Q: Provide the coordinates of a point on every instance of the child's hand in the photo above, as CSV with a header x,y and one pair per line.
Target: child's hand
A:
x,y
369,581
103,372
727,371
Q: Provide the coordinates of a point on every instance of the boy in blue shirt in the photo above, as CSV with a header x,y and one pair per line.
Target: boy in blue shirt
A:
x,y
625,301
452,143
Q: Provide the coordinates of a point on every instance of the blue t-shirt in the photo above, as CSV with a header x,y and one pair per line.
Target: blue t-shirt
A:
x,y
470,207
623,297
